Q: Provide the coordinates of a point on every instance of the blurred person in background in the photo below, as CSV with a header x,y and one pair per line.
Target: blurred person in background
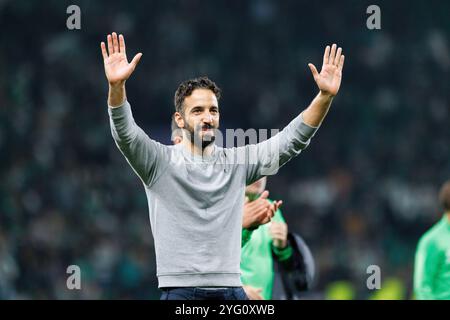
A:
x,y
271,250
258,211
271,236
432,262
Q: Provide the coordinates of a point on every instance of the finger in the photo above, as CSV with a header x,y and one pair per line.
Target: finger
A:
x,y
275,206
262,200
271,212
135,60
326,55
338,56
264,206
264,195
268,217
122,44
274,228
110,45
258,205
341,63
275,225
253,206
251,203
332,53
278,235
115,42
278,204
313,70
278,232
266,220
104,53
259,215
262,213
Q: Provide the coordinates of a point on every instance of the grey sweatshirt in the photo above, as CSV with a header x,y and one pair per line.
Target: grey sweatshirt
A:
x,y
196,203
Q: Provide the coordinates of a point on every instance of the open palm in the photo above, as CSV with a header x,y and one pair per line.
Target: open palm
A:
x,y
117,68
329,78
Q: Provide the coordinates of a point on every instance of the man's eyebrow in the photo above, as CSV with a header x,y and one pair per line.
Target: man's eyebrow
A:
x,y
202,107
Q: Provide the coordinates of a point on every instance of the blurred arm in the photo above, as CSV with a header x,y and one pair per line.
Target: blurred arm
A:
x,y
427,262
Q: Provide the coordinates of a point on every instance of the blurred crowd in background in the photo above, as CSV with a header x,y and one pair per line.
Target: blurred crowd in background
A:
x,y
362,194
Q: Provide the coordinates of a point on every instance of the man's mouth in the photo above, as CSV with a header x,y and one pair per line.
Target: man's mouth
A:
x,y
207,128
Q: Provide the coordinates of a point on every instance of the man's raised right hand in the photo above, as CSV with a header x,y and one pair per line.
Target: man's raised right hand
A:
x,y
117,68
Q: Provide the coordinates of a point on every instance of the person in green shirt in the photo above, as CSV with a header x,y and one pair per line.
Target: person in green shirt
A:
x,y
257,263
432,261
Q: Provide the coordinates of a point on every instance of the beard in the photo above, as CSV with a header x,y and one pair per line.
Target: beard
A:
x,y
196,137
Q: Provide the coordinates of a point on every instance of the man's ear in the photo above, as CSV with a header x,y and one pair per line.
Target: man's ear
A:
x,y
179,120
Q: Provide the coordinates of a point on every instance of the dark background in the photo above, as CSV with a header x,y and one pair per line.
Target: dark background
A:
x,y
361,194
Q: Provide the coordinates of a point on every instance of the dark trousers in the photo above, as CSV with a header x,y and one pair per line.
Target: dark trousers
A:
x,y
192,293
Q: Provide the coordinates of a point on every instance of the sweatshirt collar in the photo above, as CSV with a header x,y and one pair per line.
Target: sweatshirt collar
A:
x,y
196,157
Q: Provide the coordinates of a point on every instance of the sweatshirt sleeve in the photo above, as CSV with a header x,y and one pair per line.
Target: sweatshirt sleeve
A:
x,y
142,153
267,157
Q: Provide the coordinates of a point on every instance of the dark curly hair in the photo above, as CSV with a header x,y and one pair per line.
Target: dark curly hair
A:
x,y
444,196
186,87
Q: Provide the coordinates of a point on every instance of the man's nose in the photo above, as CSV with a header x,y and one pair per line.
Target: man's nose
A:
x,y
208,118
